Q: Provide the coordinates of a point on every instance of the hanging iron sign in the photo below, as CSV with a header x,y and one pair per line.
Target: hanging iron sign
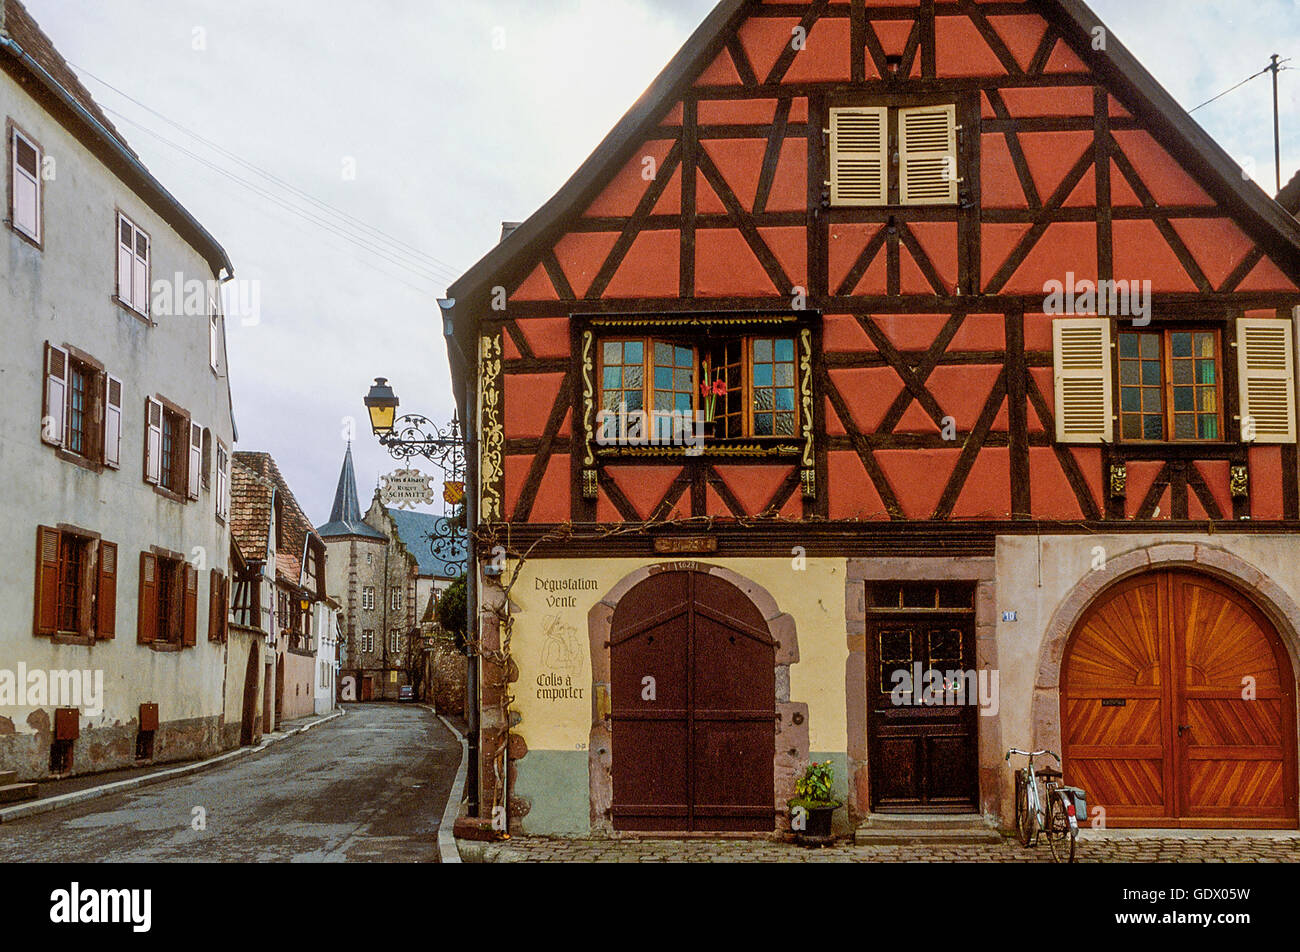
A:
x,y
406,489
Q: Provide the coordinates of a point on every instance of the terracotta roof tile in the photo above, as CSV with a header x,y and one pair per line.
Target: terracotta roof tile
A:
x,y
295,527
18,23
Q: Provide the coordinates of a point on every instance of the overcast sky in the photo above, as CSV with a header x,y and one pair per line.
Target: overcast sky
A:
x,y
432,121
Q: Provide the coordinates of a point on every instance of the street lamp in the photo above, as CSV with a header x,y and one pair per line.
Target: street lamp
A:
x,y
382,404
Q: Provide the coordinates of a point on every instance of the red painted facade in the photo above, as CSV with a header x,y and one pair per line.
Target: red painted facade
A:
x,y
932,362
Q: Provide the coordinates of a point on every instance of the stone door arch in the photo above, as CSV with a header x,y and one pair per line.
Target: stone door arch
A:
x,y
790,747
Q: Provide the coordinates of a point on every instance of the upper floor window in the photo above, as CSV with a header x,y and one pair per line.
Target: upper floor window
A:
x,y
1171,382
368,598
81,410
1171,385
881,155
395,601
214,335
132,266
223,483
745,385
25,184
173,449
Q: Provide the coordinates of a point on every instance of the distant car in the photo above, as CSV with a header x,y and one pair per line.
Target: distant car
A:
x,y
406,693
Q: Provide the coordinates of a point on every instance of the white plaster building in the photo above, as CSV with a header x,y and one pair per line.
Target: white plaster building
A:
x,y
115,439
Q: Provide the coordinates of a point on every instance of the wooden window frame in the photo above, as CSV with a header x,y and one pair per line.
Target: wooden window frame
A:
x,y
88,587
180,495
13,132
1167,385
94,454
697,347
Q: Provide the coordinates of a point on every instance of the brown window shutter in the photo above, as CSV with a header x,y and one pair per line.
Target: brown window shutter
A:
x,y
147,613
106,597
47,580
214,605
191,605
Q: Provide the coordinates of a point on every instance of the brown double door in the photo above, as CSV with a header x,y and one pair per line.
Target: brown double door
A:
x,y
693,708
922,727
1177,707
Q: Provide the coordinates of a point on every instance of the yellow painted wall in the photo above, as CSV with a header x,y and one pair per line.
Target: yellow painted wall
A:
x,y
551,644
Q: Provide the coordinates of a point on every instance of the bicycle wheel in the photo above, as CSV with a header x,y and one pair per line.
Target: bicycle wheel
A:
x,y
1060,839
1026,818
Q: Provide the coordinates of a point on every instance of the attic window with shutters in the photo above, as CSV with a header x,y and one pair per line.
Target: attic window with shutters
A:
x,y
882,156
26,192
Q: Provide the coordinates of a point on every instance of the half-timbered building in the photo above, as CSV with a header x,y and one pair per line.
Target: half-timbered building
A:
x,y
982,359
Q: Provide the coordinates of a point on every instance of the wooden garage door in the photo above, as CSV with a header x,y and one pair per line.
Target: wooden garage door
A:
x,y
693,707
1177,707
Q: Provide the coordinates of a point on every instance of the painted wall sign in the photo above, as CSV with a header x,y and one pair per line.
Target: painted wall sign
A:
x,y
406,489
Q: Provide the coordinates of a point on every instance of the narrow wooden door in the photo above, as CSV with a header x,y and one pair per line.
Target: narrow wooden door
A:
x,y
1177,707
922,746
693,708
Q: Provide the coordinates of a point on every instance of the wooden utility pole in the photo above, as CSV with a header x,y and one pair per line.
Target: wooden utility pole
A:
x,y
1277,124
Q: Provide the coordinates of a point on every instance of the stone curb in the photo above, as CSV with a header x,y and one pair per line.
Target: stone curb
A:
x,y
447,851
37,807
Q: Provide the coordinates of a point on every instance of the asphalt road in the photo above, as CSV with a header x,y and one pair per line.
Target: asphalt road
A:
x,y
366,787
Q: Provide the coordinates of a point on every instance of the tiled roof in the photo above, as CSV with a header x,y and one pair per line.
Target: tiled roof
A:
x,y
250,509
18,23
1289,197
295,527
416,529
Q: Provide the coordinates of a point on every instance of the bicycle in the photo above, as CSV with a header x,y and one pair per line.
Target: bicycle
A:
x,y
1058,821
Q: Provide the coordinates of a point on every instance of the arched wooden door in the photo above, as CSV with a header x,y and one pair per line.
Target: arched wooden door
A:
x,y
693,713
1178,707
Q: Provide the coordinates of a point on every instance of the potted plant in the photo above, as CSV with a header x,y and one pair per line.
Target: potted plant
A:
x,y
711,389
813,807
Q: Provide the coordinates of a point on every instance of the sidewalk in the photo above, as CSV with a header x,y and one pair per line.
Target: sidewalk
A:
x,y
1127,846
57,794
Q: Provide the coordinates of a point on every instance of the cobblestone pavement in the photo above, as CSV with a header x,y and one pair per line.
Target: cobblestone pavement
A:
x,y
1092,848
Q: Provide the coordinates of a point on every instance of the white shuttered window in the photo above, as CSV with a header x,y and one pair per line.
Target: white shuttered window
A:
x,y
859,148
112,422
1266,375
1084,404
132,266
928,155
54,411
153,442
26,179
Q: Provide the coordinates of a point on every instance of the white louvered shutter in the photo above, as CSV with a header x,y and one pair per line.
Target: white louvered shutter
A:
x,y
112,422
27,187
141,268
54,411
1084,403
195,470
153,441
223,467
125,260
214,340
928,155
1266,374
859,156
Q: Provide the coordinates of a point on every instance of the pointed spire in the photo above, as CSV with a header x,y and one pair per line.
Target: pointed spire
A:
x,y
346,506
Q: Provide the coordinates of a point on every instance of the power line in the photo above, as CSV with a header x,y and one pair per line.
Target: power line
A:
x,y
1266,69
287,206
400,246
